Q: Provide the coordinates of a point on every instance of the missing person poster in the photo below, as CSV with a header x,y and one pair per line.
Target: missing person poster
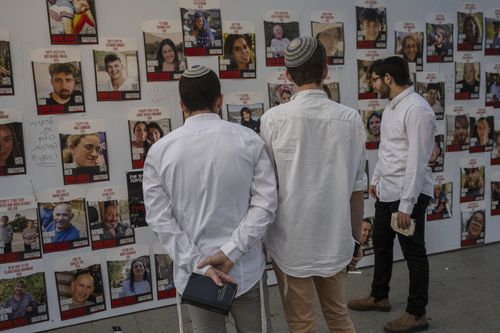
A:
x,y
245,108
331,84
23,295
84,151
280,28
470,28
436,162
440,206
371,113
137,211
108,215
371,24
492,32
201,27
482,129
366,235
19,231
146,126
164,265
58,81
79,285
279,89
495,153
439,30
6,77
473,224
409,37
326,27
467,76
495,193
72,22
12,155
492,74
365,59
431,86
129,272
457,128
62,219
164,50
472,179
239,60
116,65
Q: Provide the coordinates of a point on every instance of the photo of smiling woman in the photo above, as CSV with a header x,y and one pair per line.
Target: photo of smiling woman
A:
x,y
473,225
239,57
84,155
12,159
410,46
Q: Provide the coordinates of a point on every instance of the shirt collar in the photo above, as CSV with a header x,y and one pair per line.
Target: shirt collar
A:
x,y
309,92
395,101
202,117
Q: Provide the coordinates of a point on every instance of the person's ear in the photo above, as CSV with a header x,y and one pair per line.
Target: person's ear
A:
x,y
184,109
288,76
219,102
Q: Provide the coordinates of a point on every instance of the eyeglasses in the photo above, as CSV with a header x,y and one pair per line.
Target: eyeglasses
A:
x,y
91,148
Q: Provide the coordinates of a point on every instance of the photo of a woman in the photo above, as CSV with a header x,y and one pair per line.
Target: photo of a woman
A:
x,y
201,31
84,150
168,58
138,281
238,49
140,145
155,132
11,151
373,126
247,121
470,37
475,225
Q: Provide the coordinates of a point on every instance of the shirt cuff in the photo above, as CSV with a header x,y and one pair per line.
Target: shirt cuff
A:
x,y
201,271
360,185
231,251
405,207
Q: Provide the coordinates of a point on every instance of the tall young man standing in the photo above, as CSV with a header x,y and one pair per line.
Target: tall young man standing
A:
x,y
210,194
317,146
402,184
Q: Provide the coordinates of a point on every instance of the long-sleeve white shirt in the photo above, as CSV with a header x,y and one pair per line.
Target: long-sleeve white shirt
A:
x,y
318,147
210,186
406,141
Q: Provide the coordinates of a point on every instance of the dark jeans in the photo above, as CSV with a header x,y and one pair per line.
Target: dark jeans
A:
x,y
7,247
414,252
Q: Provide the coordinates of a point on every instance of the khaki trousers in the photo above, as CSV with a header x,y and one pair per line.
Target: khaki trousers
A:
x,y
297,297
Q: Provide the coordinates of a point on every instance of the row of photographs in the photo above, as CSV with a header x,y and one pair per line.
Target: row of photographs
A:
x,y
68,218
82,289
73,22
166,50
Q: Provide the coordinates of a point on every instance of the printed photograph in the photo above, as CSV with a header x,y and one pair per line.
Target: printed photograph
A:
x,y
440,205
72,21
467,78
371,28
331,35
202,31
12,157
457,133
470,31
439,42
165,59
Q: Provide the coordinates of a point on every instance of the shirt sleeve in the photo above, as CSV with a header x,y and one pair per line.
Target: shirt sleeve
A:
x,y
266,134
420,129
261,211
160,219
361,176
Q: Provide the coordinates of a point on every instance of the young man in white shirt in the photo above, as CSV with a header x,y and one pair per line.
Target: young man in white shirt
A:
x,y
318,149
402,184
210,194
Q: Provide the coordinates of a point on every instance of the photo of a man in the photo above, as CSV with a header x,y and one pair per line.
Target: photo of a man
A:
x,y
6,235
60,228
372,28
493,89
22,299
117,72
62,79
467,76
80,288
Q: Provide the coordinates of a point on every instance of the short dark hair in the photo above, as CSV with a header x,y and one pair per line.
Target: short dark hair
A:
x,y
395,66
369,14
110,57
66,68
312,70
200,93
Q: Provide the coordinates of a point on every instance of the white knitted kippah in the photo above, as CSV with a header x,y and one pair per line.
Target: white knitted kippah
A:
x,y
299,51
196,71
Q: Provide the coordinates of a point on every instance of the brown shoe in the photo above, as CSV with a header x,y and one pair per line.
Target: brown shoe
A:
x,y
369,304
407,323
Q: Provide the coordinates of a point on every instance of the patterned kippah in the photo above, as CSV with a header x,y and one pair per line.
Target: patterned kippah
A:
x,y
299,51
196,71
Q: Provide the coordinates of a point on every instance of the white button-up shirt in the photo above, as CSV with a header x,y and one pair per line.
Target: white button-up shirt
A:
x,y
210,186
406,142
318,147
